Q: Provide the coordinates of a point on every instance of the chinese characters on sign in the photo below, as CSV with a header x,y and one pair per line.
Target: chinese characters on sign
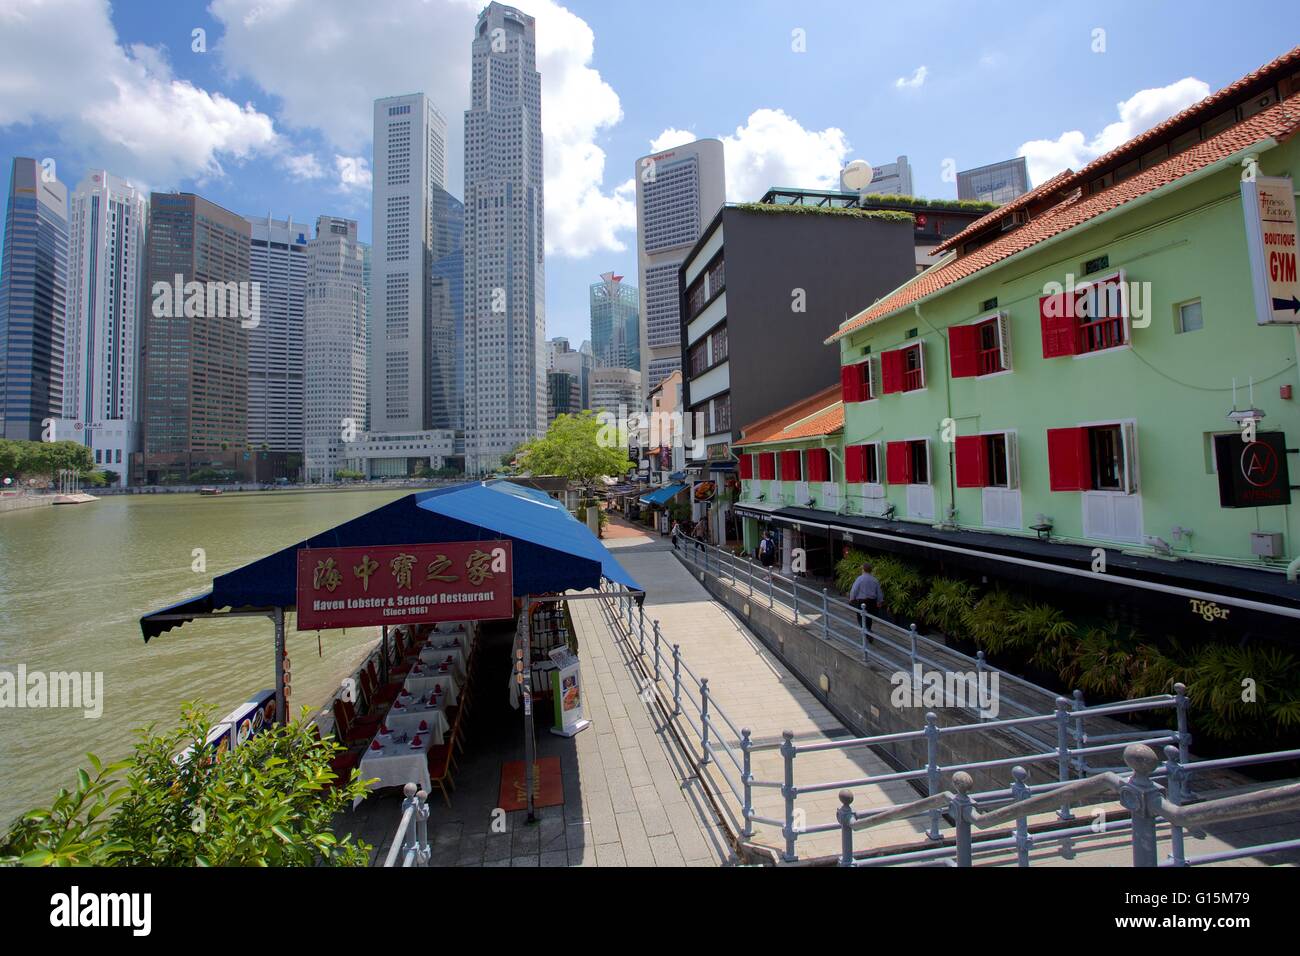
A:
x,y
404,584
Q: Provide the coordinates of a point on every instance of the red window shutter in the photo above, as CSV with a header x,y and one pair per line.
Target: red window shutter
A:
x,y
849,379
898,463
819,464
891,371
746,467
970,461
1069,463
790,466
964,350
1056,314
855,463
767,466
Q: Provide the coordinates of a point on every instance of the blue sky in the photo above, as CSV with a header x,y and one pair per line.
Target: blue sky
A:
x,y
274,114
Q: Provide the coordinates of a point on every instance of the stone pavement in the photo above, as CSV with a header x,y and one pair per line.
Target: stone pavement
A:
x,y
630,799
755,691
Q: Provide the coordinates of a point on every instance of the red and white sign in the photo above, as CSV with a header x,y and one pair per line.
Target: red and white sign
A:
x,y
404,584
1269,206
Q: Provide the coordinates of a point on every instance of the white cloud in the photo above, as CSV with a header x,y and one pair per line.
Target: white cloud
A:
x,y
916,80
356,53
772,149
135,116
304,166
354,173
670,138
1137,114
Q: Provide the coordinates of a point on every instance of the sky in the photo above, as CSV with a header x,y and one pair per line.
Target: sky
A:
x,y
265,105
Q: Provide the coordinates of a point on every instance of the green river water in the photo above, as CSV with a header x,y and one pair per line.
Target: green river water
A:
x,y
74,581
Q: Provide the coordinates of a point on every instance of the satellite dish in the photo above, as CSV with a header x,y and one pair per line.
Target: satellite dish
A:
x,y
856,176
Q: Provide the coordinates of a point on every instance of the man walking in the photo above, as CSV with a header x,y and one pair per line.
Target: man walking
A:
x,y
767,550
868,597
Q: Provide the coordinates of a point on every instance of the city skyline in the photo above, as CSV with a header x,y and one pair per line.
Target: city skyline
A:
x,y
298,141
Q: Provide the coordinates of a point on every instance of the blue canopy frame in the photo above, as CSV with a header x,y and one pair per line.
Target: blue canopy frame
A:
x,y
551,550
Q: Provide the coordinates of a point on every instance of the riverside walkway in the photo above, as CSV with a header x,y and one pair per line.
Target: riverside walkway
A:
x,y
757,692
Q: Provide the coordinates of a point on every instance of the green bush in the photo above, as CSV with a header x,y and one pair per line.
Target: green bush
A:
x,y
262,804
947,605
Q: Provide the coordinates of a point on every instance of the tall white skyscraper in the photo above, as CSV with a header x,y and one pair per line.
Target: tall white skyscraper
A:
x,y
101,346
277,262
678,191
334,346
505,290
410,171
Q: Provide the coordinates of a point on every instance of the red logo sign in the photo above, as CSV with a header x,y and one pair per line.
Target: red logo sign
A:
x,y
404,584
1259,464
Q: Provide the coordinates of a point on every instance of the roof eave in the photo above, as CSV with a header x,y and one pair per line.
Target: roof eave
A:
x,y
1217,166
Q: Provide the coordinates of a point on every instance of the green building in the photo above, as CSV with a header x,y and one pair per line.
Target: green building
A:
x,y
1077,395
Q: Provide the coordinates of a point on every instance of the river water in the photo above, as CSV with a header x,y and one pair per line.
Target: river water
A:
x,y
74,581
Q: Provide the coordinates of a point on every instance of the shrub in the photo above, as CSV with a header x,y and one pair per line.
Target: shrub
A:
x,y
947,605
263,804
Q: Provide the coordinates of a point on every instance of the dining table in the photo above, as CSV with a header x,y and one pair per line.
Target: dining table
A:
x,y
453,655
400,756
430,679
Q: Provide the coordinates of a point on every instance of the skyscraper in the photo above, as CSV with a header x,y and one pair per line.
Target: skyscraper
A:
x,y
615,323
445,337
33,301
505,316
334,345
200,306
410,174
677,193
278,264
101,368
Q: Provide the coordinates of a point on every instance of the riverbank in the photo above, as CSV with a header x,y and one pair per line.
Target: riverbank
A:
x,y
23,502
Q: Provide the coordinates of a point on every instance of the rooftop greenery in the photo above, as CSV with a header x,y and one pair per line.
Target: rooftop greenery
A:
x,y
882,215
962,205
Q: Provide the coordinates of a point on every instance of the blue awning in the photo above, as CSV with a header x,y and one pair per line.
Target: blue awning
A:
x,y
663,495
677,476
552,551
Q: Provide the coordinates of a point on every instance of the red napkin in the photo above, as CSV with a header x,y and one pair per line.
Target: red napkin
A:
x,y
437,688
383,728
416,741
397,704
424,725
376,745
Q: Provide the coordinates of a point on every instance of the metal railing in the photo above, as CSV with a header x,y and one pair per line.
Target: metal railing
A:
x,y
886,644
1137,792
411,841
714,735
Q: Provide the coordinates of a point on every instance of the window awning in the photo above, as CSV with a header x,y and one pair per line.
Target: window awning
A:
x,y
663,495
552,551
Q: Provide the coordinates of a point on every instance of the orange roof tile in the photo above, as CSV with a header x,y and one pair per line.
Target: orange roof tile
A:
x,y
812,417
1278,122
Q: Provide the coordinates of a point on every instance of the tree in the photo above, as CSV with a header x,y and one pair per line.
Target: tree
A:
x,y
266,803
577,447
48,458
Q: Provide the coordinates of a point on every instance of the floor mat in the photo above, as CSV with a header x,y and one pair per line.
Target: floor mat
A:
x,y
549,787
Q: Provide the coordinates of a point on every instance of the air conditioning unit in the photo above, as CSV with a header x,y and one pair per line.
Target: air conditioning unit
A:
x,y
1266,544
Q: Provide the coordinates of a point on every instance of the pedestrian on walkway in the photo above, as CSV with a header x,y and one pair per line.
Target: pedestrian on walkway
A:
x,y
767,550
676,532
867,596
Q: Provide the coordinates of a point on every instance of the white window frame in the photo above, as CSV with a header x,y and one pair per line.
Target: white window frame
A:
x,y
1129,451
1012,457
929,462
1128,326
1003,319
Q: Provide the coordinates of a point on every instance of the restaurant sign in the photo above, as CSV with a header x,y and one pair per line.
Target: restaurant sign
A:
x,y
1252,474
404,584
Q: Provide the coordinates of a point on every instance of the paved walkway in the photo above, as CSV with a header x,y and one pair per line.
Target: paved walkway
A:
x,y
630,797
755,691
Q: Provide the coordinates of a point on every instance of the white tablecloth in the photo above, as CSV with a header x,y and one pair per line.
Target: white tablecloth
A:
x,y
398,763
409,723
420,685
432,656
